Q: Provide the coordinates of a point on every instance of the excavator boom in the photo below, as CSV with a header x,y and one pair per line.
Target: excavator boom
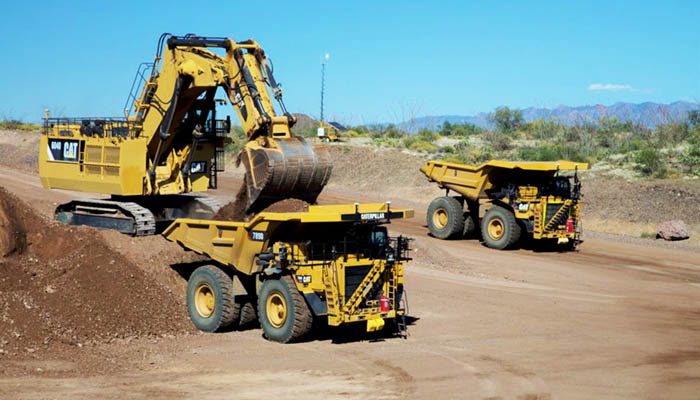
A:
x,y
278,164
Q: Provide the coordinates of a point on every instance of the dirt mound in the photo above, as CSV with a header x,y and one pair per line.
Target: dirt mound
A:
x,y
386,173
236,210
12,236
19,150
69,288
642,201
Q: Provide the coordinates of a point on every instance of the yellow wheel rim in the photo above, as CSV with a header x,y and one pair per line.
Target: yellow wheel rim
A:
x,y
276,308
440,218
496,228
204,300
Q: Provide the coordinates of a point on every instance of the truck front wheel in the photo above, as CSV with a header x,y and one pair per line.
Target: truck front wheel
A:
x,y
282,310
499,228
445,218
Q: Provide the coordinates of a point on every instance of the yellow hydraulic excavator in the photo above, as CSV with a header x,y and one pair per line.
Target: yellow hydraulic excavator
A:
x,y
169,144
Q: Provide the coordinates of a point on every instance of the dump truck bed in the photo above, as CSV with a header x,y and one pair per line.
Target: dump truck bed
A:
x,y
470,181
237,243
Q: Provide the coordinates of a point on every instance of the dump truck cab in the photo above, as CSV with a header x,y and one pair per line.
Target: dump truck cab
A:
x,y
335,263
507,200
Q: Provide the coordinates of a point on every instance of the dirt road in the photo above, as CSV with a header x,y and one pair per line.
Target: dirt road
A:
x,y
614,320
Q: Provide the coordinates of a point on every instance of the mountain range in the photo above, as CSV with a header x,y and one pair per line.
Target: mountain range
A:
x,y
647,114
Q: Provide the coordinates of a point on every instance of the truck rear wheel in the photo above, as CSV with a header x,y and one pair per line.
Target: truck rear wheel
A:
x,y
445,217
282,310
499,228
469,227
247,315
210,299
243,301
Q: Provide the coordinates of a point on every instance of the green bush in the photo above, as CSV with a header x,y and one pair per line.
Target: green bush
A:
x,y
469,156
690,159
391,132
423,146
544,153
17,125
673,133
506,120
426,135
237,140
388,142
499,141
650,162
553,153
464,129
543,129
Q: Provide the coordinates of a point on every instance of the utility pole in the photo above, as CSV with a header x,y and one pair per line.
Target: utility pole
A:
x,y
325,59
321,131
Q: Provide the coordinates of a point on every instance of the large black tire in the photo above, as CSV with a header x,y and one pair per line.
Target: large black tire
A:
x,y
499,228
470,229
245,312
445,218
210,299
282,311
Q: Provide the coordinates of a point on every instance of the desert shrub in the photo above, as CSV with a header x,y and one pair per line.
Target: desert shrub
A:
x,y
388,142
17,125
464,129
392,132
506,120
690,159
553,153
361,130
543,153
543,129
499,141
423,146
670,134
389,132
237,140
426,135
650,162
611,132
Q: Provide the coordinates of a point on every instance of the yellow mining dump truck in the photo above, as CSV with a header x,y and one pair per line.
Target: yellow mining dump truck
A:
x,y
506,199
332,262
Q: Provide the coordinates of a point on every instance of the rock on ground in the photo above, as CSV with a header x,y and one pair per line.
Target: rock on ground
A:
x,y
672,230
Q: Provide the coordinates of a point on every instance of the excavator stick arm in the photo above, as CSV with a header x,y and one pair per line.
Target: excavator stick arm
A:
x,y
278,164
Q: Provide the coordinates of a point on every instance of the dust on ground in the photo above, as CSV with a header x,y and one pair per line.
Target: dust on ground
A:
x,y
64,287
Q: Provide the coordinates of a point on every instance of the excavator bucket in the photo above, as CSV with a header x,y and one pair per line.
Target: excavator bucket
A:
x,y
290,168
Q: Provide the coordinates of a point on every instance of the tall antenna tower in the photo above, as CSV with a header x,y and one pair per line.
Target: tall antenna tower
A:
x,y
324,61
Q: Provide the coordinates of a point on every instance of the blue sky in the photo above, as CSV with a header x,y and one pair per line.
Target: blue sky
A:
x,y
390,60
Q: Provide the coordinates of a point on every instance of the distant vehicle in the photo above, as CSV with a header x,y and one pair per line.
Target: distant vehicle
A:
x,y
330,131
507,199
